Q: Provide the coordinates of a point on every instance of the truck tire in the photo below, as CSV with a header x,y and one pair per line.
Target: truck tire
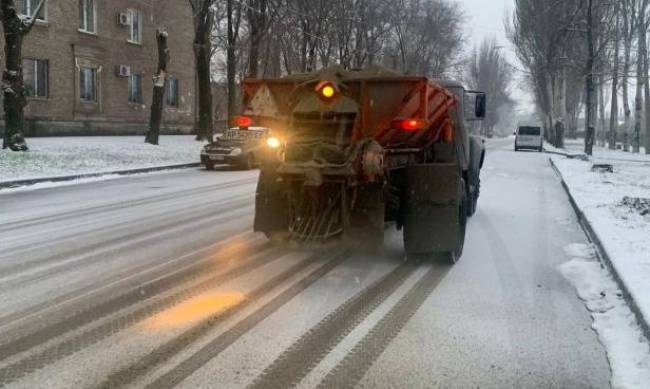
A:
x,y
472,197
454,256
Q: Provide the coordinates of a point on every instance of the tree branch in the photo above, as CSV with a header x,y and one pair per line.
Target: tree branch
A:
x,y
29,23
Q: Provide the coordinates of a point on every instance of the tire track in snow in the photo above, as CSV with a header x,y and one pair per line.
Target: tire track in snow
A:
x,y
129,374
188,212
87,223
120,205
304,354
354,366
22,273
59,350
171,270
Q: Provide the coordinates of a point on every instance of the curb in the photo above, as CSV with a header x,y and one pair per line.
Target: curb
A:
x,y
604,256
32,181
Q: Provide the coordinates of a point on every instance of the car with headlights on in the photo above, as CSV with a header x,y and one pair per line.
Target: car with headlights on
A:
x,y
238,146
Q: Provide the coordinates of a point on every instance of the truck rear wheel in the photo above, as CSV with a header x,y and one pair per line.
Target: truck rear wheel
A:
x,y
454,256
472,197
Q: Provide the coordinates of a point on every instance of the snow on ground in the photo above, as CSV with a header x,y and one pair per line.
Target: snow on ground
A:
x,y
60,156
623,231
627,350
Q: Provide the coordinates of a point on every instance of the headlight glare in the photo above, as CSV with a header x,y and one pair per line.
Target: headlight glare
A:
x,y
273,142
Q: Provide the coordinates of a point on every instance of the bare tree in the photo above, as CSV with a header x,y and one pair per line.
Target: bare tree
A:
x,y
13,85
203,16
233,14
629,8
641,69
158,89
613,115
546,43
490,72
590,119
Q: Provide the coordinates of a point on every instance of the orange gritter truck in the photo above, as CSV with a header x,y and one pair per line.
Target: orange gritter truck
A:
x,y
351,150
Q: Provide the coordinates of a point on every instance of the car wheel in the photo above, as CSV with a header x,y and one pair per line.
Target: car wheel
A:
x,y
541,148
209,166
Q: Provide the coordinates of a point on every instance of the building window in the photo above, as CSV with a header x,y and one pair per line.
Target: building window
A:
x,y
135,88
27,7
88,84
87,15
171,92
35,75
135,25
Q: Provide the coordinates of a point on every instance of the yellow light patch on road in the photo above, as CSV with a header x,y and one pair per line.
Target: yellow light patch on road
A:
x,y
193,310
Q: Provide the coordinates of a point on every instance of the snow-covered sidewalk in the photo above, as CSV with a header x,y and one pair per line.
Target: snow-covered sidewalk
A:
x,y
614,207
63,156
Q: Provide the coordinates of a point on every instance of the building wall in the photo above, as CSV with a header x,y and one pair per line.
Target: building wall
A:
x,y
60,41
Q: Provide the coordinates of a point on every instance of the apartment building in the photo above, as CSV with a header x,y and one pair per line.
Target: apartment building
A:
x,y
88,66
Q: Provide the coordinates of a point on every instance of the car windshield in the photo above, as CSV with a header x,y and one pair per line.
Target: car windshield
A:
x,y
529,131
273,194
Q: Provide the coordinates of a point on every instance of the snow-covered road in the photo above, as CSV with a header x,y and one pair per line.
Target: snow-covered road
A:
x,y
156,281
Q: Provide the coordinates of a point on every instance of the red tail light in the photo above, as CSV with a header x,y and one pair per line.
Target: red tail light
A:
x,y
243,121
411,124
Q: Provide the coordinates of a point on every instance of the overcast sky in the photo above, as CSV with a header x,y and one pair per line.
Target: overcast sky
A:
x,y
485,19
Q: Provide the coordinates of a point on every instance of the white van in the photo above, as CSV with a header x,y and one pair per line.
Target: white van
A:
x,y
529,137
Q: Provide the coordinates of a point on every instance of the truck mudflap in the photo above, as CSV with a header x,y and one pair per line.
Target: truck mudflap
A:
x,y
271,211
433,207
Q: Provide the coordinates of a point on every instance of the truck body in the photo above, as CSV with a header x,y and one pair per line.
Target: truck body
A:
x,y
356,149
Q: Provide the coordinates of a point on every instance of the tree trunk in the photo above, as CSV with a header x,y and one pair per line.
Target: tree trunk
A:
x,y
601,110
627,48
158,89
646,94
15,28
202,45
591,90
257,22
613,115
563,111
231,60
638,102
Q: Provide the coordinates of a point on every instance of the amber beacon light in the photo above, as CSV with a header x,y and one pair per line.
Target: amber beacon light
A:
x,y
326,90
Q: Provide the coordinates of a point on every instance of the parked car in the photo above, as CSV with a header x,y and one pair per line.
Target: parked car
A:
x,y
237,146
529,137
